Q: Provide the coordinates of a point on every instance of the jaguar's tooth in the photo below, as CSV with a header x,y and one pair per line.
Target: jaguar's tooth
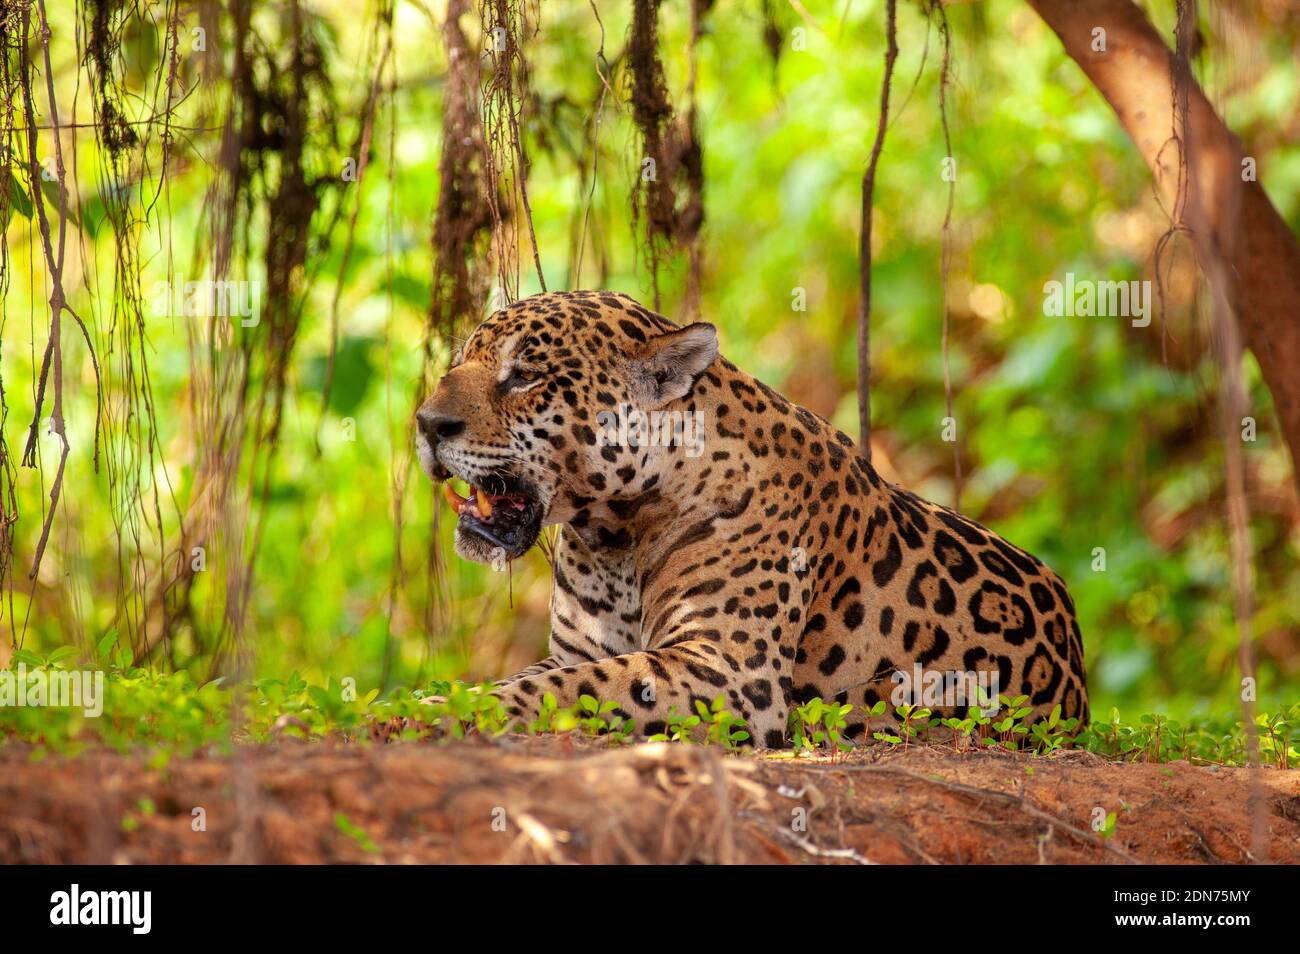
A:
x,y
456,500
484,502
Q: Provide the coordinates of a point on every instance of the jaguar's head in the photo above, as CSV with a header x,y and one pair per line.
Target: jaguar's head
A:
x,y
534,414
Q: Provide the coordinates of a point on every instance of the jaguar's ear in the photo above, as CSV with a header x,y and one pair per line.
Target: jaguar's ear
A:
x,y
667,366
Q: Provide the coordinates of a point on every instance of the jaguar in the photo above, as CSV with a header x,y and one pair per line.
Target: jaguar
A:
x,y
765,561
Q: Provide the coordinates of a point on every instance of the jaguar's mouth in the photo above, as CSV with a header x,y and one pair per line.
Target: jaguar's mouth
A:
x,y
500,517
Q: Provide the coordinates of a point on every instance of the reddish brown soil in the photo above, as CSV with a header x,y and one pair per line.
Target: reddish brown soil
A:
x,y
562,800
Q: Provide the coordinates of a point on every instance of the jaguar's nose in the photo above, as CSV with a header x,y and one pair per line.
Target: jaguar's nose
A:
x,y
438,427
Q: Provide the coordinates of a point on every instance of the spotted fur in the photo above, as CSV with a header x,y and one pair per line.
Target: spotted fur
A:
x,y
774,566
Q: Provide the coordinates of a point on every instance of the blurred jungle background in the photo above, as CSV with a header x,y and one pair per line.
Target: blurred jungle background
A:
x,y
239,496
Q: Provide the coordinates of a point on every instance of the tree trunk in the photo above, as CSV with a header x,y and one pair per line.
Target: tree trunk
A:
x,y
1239,224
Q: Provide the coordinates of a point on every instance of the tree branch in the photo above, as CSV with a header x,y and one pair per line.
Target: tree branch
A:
x,y
1240,224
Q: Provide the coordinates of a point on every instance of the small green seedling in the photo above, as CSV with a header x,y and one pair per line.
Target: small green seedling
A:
x,y
816,725
678,727
721,727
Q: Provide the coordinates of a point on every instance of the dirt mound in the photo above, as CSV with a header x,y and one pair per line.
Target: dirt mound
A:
x,y
565,800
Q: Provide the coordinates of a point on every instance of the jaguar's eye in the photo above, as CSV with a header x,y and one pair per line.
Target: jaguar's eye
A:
x,y
521,379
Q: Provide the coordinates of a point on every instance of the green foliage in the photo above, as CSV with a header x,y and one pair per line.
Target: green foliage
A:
x,y
818,725
1220,740
462,708
552,720
720,726
1276,732
1050,734
1107,829
346,827
139,707
599,718
913,717
679,727
170,714
1011,727
871,712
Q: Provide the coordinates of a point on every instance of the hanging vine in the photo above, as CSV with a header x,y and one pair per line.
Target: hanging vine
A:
x,y
582,230
464,215
1233,401
864,236
461,235
276,158
671,157
506,23
13,198
137,474
936,8
51,365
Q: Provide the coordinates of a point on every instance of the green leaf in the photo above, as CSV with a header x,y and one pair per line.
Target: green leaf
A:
x,y
50,189
63,652
13,198
105,644
354,369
